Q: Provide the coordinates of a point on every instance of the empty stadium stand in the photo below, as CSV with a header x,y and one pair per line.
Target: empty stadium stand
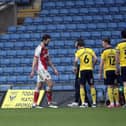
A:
x,y
65,21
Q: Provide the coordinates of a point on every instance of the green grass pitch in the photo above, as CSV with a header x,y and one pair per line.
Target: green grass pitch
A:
x,y
63,117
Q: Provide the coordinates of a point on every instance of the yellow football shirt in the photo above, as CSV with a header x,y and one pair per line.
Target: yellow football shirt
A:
x,y
109,57
121,47
85,56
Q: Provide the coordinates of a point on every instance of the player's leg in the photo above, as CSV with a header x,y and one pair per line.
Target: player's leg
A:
x,y
116,90
110,77
116,95
47,78
36,93
77,91
82,89
123,75
49,91
124,83
90,80
110,96
51,104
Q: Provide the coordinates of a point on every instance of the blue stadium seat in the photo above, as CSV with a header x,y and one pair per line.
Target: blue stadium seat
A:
x,y
97,18
108,18
77,18
60,27
31,28
21,79
64,11
14,37
91,26
65,34
85,34
109,1
101,26
5,37
104,10
28,21
49,5
118,18
106,34
57,19
81,27
113,10
51,27
112,25
26,61
80,3
8,70
12,29
121,25
66,19
4,62
41,28
75,35
122,9
3,79
60,4
89,2
74,11
93,11
11,79
21,29
37,20
25,36
3,53
11,53
84,11
70,26
8,45
99,2
119,1
70,4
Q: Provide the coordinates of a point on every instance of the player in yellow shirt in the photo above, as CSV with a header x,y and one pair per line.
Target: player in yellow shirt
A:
x,y
87,59
108,64
121,59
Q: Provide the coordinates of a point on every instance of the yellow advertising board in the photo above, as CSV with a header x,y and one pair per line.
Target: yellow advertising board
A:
x,y
20,98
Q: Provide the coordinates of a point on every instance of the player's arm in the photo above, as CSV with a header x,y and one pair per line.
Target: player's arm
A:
x,y
34,66
75,64
52,66
94,59
117,61
117,56
101,68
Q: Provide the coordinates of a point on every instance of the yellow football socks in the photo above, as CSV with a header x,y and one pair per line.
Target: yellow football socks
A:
x,y
110,95
116,95
82,95
93,94
125,92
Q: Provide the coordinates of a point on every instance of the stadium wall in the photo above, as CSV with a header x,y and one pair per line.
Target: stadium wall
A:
x,y
7,16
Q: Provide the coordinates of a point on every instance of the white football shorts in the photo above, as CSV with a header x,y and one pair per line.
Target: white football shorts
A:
x,y
43,75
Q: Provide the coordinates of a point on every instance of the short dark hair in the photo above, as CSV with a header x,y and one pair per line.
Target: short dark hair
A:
x,y
107,40
45,37
123,33
80,42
